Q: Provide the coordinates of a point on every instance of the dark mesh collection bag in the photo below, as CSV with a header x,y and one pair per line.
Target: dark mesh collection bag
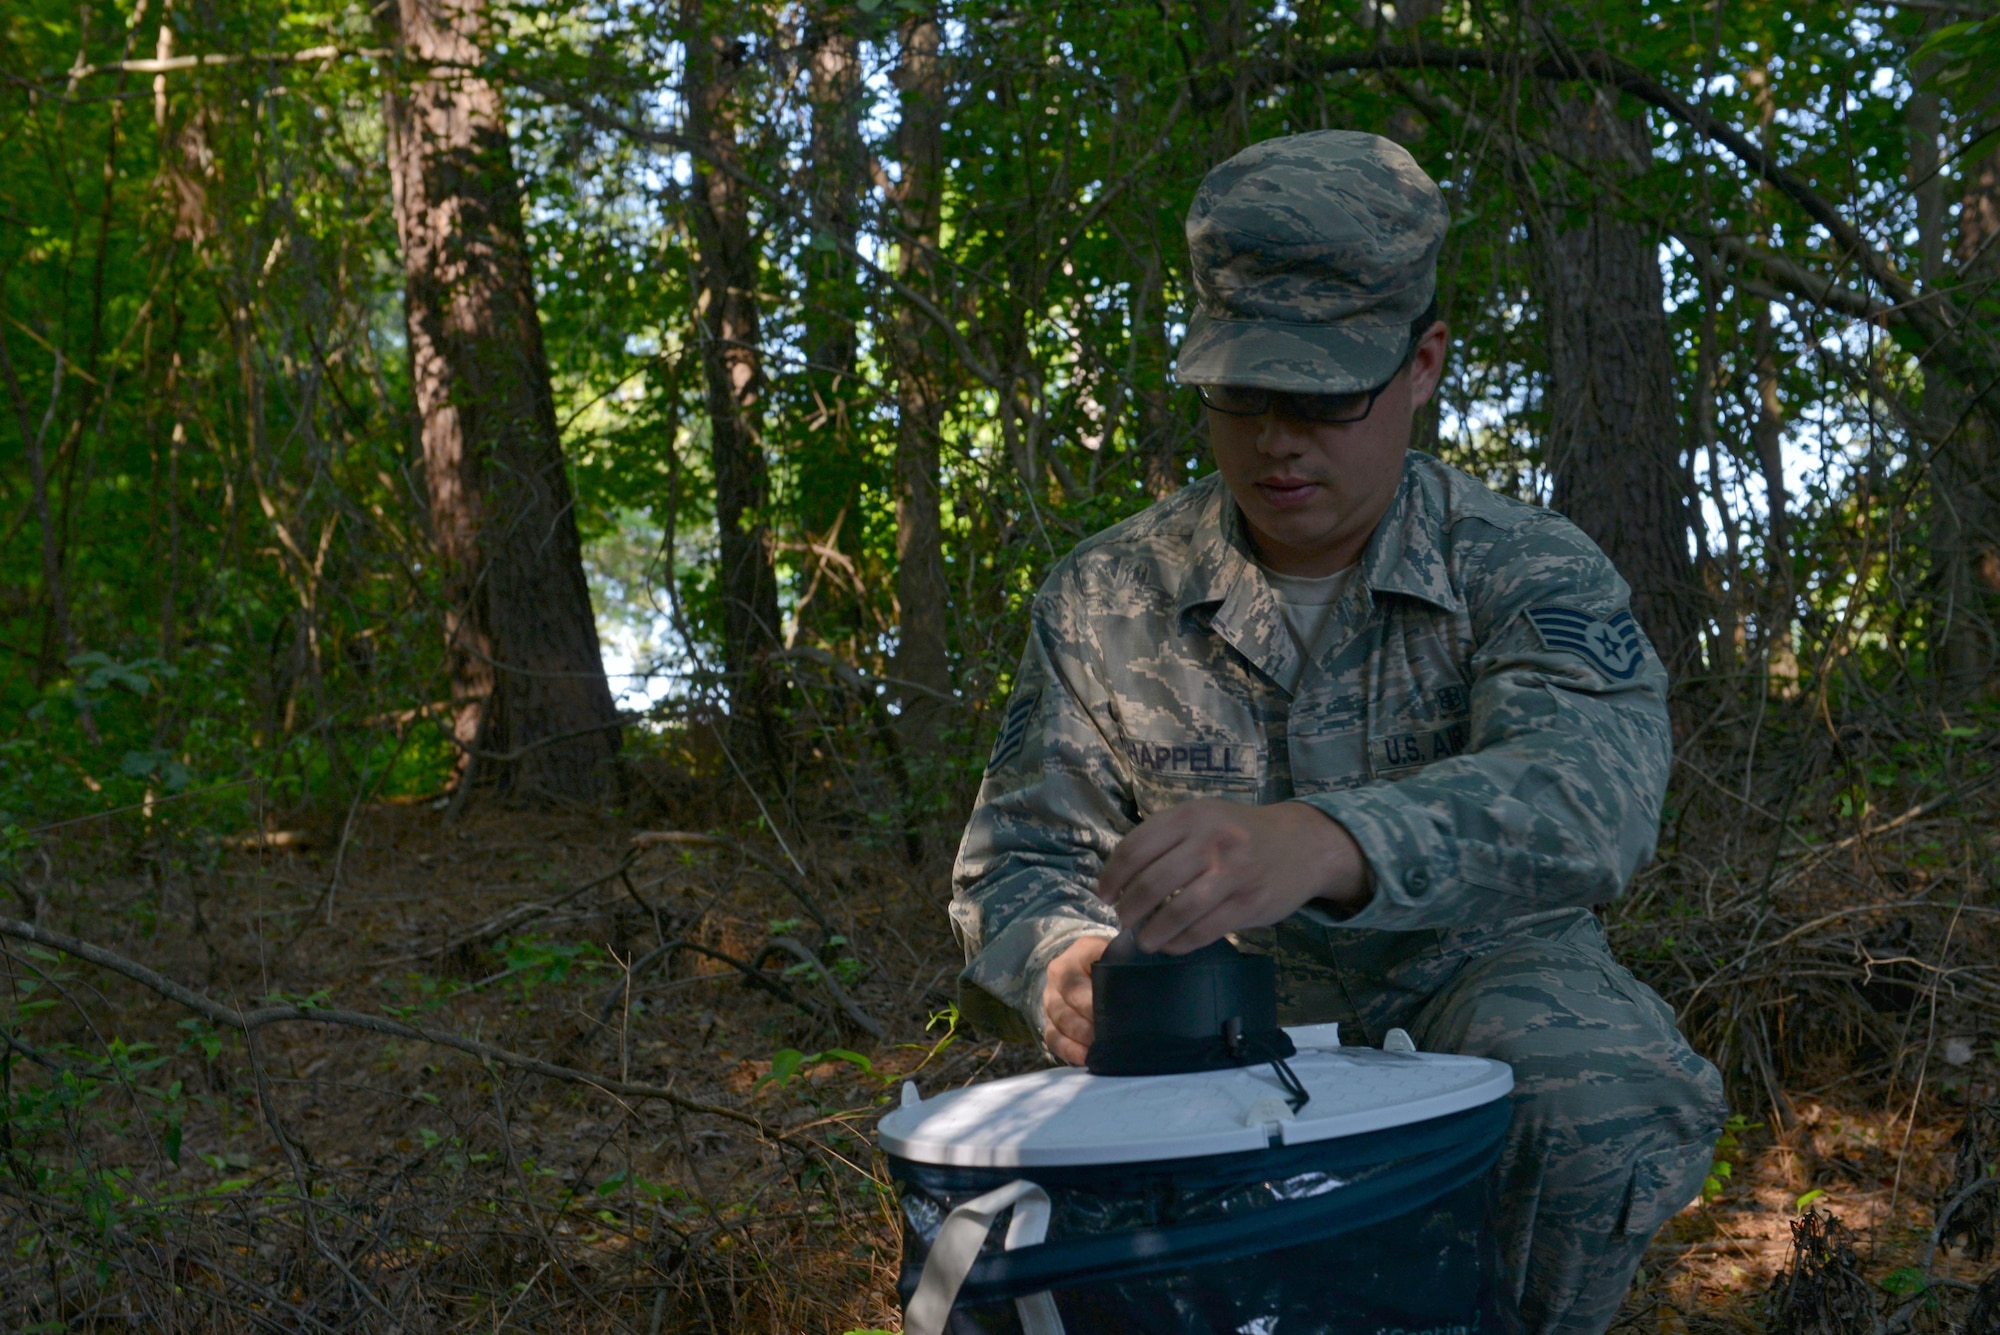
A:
x,y
1385,1232
1087,1203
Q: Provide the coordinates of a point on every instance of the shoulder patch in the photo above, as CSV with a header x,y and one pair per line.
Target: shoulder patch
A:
x,y
1013,729
1614,647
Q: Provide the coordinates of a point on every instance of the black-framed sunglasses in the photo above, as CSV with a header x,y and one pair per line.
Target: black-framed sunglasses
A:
x,y
1330,409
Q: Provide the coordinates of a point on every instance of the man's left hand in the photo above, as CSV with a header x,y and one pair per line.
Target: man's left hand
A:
x,y
1193,874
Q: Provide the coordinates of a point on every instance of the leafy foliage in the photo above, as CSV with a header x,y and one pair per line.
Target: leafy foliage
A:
x,y
220,603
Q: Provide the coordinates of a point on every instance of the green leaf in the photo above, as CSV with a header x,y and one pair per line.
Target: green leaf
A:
x,y
785,1064
1805,1202
851,1058
1972,43
160,765
107,671
1909,1279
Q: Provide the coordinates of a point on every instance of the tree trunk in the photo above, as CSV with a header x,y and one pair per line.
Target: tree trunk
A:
x,y
731,359
530,703
922,658
1226,27
1965,504
1163,436
1613,446
56,645
1725,584
830,465
1767,436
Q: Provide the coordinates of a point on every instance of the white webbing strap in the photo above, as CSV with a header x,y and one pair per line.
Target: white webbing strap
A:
x,y
957,1246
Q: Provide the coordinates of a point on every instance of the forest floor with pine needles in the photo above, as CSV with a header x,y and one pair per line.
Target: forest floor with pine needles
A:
x,y
730,1015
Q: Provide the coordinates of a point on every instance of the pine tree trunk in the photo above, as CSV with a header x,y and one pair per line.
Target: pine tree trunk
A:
x,y
732,366
1767,436
922,657
530,703
1163,437
1613,446
830,467
1965,506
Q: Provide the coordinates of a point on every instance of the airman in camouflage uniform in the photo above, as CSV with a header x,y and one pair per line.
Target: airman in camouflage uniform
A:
x,y
1481,716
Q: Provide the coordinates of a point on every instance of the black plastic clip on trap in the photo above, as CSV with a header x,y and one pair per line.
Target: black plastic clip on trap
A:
x,y
1208,1010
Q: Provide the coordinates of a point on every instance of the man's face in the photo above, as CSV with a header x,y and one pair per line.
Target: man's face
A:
x,y
1313,492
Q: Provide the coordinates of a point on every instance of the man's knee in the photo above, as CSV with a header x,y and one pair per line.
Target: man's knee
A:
x,y
1614,1115
1615,1119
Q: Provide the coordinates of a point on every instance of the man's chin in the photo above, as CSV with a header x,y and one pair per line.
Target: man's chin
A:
x,y
1288,538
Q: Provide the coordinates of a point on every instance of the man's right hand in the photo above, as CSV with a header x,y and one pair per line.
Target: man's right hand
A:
x,y
1066,1000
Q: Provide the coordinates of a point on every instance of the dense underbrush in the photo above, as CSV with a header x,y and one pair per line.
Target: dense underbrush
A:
x,y
409,1066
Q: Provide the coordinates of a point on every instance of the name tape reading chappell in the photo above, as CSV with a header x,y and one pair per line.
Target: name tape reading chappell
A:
x,y
1219,760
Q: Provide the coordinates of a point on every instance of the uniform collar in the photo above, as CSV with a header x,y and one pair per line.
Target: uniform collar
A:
x,y
1222,573
1405,555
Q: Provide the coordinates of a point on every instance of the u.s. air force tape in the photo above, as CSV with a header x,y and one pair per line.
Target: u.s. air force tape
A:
x,y
1613,646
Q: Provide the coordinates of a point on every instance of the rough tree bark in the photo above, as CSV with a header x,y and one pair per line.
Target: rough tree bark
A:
x,y
1226,29
530,703
56,643
1967,462
1724,582
922,658
732,367
1163,435
1613,446
1965,506
830,467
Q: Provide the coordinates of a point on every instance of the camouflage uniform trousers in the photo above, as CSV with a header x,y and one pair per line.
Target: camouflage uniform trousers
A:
x,y
1615,1117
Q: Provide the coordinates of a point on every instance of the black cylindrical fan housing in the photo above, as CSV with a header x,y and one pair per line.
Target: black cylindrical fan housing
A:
x,y
1208,1010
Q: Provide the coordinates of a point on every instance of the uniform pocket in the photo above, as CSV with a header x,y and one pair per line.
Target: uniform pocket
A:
x,y
1162,792
1662,1181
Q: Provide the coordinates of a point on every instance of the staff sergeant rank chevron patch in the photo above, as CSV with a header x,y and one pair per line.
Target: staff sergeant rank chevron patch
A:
x,y
1613,647
1013,729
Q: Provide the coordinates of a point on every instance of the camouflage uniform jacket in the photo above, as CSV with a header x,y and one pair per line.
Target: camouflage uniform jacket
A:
x,y
1486,720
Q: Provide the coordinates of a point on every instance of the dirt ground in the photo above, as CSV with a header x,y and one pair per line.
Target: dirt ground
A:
x,y
327,1177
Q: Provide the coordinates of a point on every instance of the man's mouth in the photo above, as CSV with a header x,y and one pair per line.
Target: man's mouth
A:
x,y
1287,492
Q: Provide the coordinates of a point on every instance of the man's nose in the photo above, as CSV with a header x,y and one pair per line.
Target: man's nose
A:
x,y
1281,435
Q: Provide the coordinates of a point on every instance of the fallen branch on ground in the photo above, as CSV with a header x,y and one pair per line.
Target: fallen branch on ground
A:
x,y
785,945
506,921
689,839
248,1022
752,975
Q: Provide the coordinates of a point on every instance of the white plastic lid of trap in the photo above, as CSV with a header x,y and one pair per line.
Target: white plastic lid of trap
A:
x,y
1067,1116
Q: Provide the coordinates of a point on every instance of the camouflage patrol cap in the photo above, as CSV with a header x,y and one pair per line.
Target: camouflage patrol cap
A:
x,y
1312,256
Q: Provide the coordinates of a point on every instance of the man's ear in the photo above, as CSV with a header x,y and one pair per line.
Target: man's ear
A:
x,y
1427,363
